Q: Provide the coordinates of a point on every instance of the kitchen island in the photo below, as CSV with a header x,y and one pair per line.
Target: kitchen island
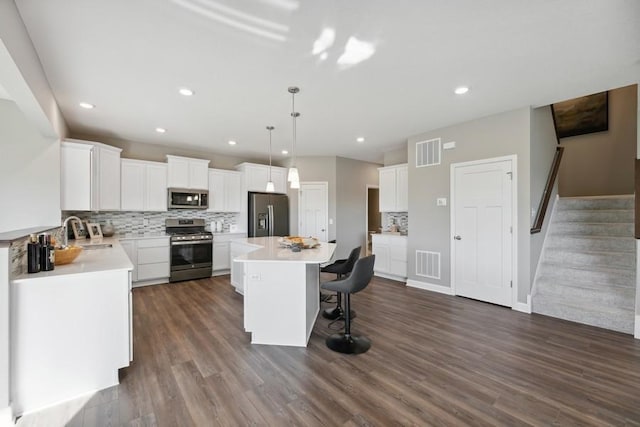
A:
x,y
71,328
281,290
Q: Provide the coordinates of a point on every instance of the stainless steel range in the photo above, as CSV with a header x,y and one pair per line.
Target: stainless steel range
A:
x,y
191,249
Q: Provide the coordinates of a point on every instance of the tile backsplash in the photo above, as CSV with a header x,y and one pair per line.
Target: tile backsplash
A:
x,y
138,222
399,218
18,251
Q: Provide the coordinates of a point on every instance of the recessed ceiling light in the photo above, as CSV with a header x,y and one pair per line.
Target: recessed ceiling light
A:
x,y
232,143
285,152
360,139
161,130
185,91
461,90
87,105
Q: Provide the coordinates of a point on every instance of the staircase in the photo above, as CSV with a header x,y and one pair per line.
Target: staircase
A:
x,y
587,271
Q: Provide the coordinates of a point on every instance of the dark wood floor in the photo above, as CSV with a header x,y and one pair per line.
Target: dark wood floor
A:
x,y
435,360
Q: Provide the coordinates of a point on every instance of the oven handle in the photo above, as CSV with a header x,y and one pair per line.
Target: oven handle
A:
x,y
191,242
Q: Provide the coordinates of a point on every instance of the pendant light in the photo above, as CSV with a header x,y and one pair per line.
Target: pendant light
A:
x,y
293,177
270,187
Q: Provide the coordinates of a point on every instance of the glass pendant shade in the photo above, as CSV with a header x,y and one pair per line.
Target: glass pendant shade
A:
x,y
270,187
295,184
293,174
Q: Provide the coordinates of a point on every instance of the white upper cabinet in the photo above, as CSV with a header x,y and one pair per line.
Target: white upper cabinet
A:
x,y
75,176
256,177
394,188
144,186
185,172
225,190
90,176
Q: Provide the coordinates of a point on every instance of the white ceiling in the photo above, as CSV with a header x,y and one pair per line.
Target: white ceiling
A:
x,y
130,57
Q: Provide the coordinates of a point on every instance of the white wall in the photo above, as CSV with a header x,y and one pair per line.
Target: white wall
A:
x,y
430,229
29,173
315,168
352,178
603,163
543,149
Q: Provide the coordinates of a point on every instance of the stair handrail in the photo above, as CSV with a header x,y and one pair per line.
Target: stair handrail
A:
x,y
548,189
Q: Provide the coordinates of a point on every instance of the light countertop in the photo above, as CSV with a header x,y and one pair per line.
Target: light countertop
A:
x,y
89,261
270,250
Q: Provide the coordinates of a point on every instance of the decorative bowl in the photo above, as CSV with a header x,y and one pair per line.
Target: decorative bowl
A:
x,y
67,255
301,242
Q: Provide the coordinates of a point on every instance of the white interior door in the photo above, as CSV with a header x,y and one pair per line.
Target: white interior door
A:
x,y
313,210
482,221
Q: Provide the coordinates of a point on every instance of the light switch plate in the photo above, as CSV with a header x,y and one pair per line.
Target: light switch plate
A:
x,y
441,201
330,221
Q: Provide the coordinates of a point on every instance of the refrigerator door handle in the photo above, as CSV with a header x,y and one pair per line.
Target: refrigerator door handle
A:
x,y
270,207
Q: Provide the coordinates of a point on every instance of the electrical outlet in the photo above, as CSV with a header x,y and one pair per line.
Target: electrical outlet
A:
x,y
145,221
441,201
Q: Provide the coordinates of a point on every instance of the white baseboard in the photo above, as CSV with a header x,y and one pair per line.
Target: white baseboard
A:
x,y
6,417
142,283
636,330
524,307
220,273
430,287
389,276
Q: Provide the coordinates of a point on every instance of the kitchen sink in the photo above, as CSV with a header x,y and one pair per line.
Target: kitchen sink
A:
x,y
96,246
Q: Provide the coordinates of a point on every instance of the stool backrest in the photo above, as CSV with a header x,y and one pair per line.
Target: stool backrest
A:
x,y
351,261
361,274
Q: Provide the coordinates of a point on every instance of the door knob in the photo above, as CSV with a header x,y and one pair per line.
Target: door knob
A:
x,y
322,230
457,237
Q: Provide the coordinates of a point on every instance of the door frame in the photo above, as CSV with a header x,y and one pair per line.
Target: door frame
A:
x,y
366,214
514,219
325,184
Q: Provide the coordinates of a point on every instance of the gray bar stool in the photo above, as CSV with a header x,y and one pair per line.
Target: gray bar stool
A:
x,y
340,268
357,281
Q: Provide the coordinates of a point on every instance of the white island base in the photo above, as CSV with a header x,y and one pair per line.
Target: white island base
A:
x,y
281,291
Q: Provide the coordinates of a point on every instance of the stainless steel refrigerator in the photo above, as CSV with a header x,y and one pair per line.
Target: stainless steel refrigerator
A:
x,y
268,214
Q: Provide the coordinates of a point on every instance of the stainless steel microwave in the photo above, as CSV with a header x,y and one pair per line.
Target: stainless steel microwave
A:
x,y
181,198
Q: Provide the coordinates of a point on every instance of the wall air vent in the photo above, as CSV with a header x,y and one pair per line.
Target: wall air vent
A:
x,y
428,152
428,264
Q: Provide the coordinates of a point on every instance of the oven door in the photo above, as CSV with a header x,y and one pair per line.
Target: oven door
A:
x,y
189,255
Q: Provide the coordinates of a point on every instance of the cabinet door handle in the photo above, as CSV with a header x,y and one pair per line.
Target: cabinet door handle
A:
x,y
457,237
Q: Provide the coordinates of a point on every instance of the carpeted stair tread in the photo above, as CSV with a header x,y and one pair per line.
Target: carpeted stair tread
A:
x,y
596,215
592,229
618,260
597,297
614,318
592,243
623,202
588,274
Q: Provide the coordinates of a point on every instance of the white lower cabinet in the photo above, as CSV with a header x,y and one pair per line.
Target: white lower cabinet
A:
x,y
150,258
222,252
237,248
391,256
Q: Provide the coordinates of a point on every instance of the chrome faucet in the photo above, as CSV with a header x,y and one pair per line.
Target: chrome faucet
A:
x,y
65,236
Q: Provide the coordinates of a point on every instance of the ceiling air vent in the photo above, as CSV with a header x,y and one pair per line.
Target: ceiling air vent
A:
x,y
428,152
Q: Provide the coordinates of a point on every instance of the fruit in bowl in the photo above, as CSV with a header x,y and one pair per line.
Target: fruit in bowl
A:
x,y
301,242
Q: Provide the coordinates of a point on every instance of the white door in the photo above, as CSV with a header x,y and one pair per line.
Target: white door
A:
x,y
482,221
313,210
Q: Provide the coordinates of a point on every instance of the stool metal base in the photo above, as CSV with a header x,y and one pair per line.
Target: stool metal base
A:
x,y
348,344
336,313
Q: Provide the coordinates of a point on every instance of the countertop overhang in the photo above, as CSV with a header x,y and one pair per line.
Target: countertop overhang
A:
x,y
269,249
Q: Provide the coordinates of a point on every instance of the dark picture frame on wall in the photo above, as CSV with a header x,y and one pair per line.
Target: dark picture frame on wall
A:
x,y
580,116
